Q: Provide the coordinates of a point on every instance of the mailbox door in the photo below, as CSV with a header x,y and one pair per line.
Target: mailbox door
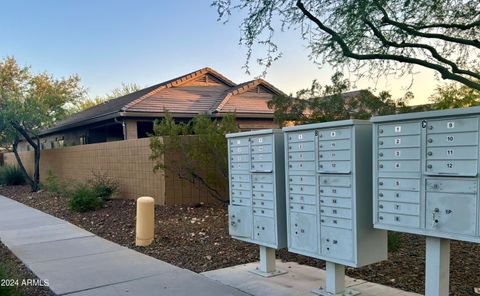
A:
x,y
337,243
303,232
240,221
264,229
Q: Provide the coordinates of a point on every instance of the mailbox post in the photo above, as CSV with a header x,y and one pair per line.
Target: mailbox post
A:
x,y
426,182
329,198
257,193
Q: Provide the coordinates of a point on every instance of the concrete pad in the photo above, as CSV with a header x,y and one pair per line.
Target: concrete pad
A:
x,y
178,283
62,249
300,280
92,271
42,234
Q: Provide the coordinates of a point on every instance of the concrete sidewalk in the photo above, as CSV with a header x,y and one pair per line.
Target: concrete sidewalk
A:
x,y
76,262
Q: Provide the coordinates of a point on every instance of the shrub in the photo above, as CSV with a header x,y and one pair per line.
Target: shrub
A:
x,y
11,175
103,186
6,290
393,241
84,199
52,184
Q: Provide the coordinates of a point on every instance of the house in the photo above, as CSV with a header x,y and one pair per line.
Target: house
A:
x,y
131,116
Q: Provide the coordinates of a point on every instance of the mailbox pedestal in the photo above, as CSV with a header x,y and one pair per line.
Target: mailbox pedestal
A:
x,y
257,193
437,266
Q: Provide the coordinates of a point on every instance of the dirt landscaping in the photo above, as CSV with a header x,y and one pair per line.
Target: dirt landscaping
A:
x,y
197,238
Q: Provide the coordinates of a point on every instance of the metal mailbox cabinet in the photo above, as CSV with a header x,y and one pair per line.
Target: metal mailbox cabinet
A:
x,y
426,181
329,196
257,193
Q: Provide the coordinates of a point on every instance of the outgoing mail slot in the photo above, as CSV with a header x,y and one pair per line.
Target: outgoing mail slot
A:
x,y
262,140
264,204
240,178
340,166
452,167
451,213
240,158
239,166
262,178
239,150
453,152
399,196
301,146
262,187
303,198
261,149
399,166
262,167
335,155
400,129
334,145
302,189
301,156
452,185
334,134
335,180
336,212
452,125
240,221
241,185
239,142
302,180
301,165
335,191
264,229
399,184
399,142
398,208
399,153
336,222
337,243
241,201
451,139
336,202
303,208
263,195
303,232
263,212
301,136
399,220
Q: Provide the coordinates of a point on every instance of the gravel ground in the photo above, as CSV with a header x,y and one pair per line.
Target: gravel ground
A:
x,y
197,238
16,277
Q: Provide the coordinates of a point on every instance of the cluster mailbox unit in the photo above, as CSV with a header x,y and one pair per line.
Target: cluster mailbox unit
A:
x,y
426,182
257,193
329,197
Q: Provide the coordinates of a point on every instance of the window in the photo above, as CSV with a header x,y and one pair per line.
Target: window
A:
x,y
61,142
83,140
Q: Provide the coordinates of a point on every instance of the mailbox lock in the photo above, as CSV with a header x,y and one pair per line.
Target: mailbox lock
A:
x,y
321,190
321,166
429,153
381,154
380,217
290,156
321,211
320,136
322,220
335,242
381,166
380,183
381,131
328,240
381,142
429,166
321,200
321,155
430,140
380,206
380,194
397,194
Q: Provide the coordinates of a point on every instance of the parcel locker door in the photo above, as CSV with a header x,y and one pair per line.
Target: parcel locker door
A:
x,y
303,232
240,221
264,229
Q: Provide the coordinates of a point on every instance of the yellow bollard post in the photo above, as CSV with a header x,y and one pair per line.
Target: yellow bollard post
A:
x,y
145,221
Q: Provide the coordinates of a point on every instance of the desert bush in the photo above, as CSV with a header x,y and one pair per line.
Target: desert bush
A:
x,y
11,175
393,241
53,185
103,186
84,198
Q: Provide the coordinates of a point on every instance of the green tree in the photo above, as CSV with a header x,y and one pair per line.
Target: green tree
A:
x,y
29,103
455,95
201,147
333,102
125,89
374,37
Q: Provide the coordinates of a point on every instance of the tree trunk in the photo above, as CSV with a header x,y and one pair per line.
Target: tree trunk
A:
x,y
20,164
36,175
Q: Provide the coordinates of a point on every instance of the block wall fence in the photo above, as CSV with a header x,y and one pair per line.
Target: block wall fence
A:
x,y
128,162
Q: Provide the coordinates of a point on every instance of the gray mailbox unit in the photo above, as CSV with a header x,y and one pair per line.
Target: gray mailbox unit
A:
x,y
329,197
257,193
426,181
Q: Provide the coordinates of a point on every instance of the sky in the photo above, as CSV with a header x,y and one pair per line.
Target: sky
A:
x,y
108,43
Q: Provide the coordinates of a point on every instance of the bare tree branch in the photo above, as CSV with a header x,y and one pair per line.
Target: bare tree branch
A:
x,y
448,26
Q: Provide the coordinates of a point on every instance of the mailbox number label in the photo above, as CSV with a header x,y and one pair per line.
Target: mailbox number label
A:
x,y
300,136
238,142
450,138
451,124
397,165
260,140
398,129
449,151
333,134
397,153
397,183
450,165
398,141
